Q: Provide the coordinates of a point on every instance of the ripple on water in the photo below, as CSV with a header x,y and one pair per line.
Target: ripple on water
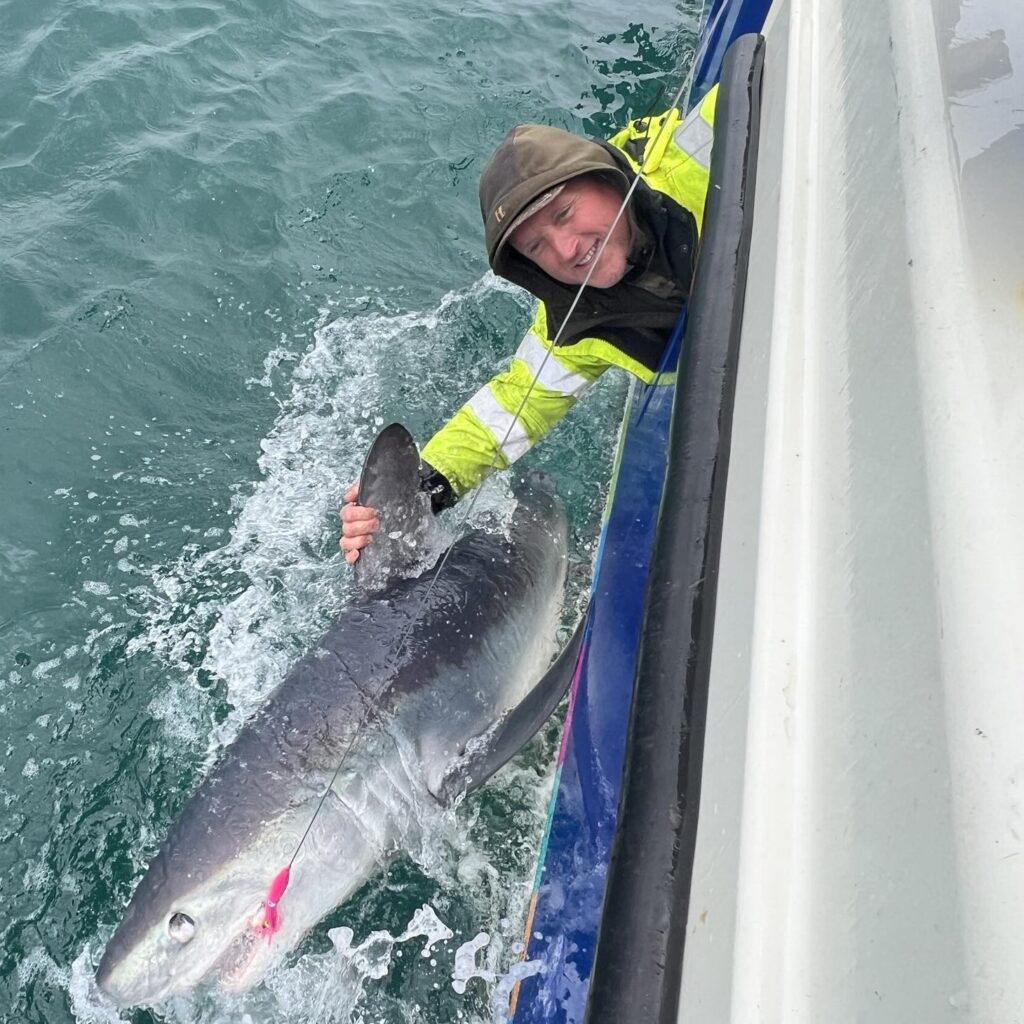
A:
x,y
238,238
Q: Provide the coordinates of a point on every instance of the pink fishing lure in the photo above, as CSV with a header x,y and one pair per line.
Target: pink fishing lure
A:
x,y
270,920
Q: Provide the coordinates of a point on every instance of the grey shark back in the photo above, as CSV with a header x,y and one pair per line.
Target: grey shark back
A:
x,y
396,691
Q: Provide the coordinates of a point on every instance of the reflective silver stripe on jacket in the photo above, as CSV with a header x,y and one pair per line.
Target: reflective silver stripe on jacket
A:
x,y
694,137
499,421
553,374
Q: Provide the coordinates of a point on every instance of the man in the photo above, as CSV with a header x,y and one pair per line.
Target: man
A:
x,y
548,200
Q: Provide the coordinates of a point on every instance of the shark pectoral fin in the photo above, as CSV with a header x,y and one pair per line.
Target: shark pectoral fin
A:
x,y
500,744
390,483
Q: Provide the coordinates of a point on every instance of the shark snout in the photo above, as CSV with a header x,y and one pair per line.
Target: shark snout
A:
x,y
124,986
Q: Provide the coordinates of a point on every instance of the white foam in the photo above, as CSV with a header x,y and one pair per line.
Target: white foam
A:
x,y
372,957
425,922
502,993
88,1004
38,963
465,963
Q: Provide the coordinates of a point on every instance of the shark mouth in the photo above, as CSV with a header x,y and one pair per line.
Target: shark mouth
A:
x,y
233,966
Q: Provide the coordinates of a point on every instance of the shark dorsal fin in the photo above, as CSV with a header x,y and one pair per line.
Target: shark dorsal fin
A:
x,y
390,483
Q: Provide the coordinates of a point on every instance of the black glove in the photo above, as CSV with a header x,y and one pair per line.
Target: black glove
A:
x,y
436,484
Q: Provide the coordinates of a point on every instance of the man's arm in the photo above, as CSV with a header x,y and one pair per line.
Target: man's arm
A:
x,y
486,434
513,410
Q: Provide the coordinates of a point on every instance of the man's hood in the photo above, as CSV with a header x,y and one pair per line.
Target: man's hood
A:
x,y
530,160
534,158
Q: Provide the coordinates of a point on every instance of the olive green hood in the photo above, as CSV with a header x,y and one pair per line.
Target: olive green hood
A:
x,y
534,158
531,159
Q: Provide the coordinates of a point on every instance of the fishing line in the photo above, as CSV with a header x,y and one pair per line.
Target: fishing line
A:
x,y
270,922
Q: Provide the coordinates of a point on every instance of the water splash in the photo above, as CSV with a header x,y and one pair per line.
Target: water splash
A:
x,y
465,963
425,922
88,1003
257,602
502,995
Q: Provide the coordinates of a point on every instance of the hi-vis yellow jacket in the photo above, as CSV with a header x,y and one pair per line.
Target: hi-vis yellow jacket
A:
x,y
485,433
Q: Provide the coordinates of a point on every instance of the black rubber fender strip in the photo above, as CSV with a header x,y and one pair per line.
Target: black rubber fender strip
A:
x,y
639,958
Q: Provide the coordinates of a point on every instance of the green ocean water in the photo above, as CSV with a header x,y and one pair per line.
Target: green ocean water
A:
x,y
236,238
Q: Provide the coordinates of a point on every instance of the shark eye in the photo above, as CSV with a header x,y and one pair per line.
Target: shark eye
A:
x,y
181,927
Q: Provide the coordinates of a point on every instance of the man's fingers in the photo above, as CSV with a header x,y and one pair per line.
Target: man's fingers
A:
x,y
357,514
359,524
356,537
359,528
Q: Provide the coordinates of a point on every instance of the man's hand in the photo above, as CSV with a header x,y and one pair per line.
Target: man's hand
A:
x,y
358,525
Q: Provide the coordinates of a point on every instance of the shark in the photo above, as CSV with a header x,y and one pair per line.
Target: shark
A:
x,y
425,686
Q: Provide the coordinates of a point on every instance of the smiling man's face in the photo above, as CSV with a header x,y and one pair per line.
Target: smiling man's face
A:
x,y
563,237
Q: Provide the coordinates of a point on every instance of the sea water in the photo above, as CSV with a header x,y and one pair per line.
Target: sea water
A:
x,y
237,237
